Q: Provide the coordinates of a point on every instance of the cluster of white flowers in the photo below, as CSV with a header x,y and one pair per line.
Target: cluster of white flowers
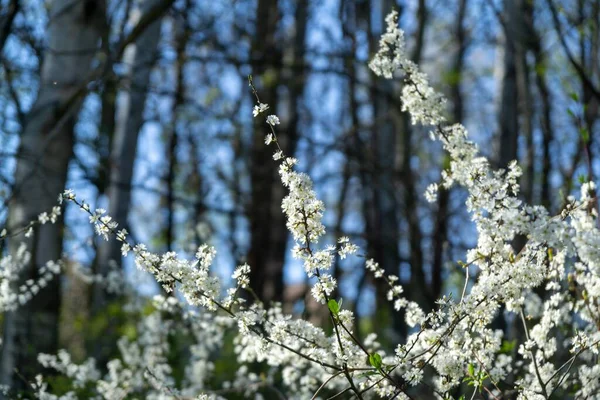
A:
x,y
304,214
113,281
143,365
103,223
273,120
14,294
241,275
81,374
431,193
259,108
346,247
44,217
506,276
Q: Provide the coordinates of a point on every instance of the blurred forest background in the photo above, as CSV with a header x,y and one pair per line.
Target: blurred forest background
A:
x,y
142,107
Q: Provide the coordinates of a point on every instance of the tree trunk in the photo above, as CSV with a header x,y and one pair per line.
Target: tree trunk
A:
x,y
440,235
266,254
129,120
178,102
44,153
6,21
508,117
385,177
418,286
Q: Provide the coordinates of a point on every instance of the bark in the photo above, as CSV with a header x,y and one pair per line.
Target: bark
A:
x,y
129,121
268,241
174,135
589,59
381,209
266,278
515,106
106,133
6,21
508,116
440,235
523,45
419,292
44,153
386,234
290,132
546,113
352,23
586,78
586,67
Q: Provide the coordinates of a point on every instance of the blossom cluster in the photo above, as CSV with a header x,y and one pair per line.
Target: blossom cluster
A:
x,y
506,275
13,291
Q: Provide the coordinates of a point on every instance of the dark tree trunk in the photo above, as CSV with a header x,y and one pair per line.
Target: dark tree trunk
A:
x,y
44,153
269,235
440,235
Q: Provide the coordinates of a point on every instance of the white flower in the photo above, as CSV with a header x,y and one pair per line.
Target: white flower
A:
x,y
43,218
68,194
272,120
122,235
269,139
347,248
431,193
324,287
125,248
259,109
241,275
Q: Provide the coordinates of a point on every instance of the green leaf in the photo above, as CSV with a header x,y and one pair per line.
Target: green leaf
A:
x,y
540,69
446,162
508,346
574,96
471,370
375,360
585,135
334,307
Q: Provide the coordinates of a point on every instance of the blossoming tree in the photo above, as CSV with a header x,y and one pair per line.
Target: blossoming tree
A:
x,y
550,285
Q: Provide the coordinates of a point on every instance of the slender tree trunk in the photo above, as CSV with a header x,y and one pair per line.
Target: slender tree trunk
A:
x,y
418,285
174,134
266,277
386,234
290,133
356,19
381,183
129,121
546,113
508,117
44,153
440,235
266,254
6,21
523,37
589,59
